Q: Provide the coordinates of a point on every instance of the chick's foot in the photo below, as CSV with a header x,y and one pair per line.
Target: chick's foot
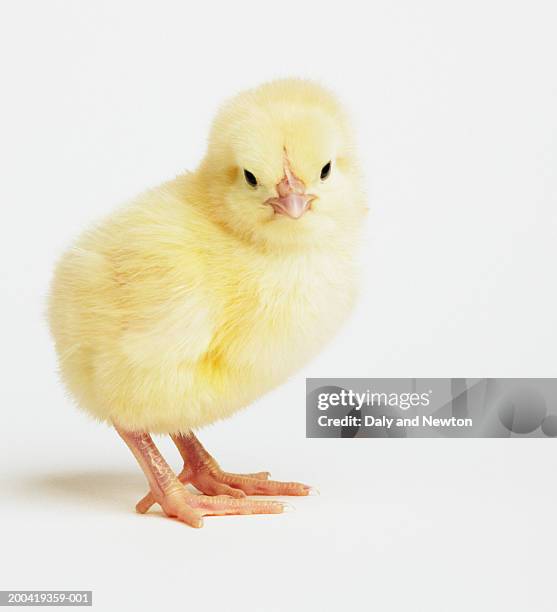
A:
x,y
170,493
191,509
205,474
213,481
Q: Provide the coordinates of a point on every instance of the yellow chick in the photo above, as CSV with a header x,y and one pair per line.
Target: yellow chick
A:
x,y
210,290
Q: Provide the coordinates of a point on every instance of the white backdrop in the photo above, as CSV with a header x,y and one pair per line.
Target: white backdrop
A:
x,y
454,105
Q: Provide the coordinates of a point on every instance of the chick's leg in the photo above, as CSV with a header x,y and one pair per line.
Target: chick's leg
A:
x,y
172,496
202,471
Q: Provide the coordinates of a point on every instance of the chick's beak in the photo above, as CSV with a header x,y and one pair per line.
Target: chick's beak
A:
x,y
292,199
294,205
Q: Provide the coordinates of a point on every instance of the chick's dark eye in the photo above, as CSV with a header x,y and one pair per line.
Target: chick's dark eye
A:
x,y
325,171
250,178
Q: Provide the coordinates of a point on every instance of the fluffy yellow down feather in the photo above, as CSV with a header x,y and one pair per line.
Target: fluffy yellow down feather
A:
x,y
196,298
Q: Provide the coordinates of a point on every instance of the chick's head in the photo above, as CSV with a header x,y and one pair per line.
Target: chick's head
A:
x,y
281,169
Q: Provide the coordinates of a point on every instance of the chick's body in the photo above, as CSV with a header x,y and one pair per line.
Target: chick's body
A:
x,y
192,301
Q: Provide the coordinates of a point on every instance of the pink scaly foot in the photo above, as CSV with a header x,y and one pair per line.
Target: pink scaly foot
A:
x,y
205,474
173,497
